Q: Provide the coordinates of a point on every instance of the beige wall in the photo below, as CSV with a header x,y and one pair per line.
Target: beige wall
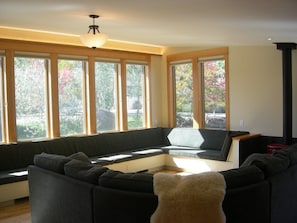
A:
x,y
255,74
156,93
256,89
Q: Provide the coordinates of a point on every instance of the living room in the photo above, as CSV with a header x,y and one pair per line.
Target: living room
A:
x,y
254,62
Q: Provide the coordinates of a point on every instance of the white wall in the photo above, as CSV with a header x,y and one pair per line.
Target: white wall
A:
x,y
256,89
255,74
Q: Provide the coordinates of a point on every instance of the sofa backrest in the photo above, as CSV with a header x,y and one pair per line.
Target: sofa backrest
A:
x,y
21,154
247,195
116,142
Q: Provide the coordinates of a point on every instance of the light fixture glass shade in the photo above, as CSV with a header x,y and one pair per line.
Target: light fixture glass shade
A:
x,y
93,40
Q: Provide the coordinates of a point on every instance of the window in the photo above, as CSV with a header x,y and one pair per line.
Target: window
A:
x,y
71,81
214,81
136,95
30,97
106,95
198,90
183,94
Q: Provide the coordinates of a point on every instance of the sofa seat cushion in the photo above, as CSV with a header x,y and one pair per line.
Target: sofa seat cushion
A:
x,y
183,152
130,155
84,171
193,152
13,176
137,182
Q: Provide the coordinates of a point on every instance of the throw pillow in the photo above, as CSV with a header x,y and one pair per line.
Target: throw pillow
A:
x,y
51,162
290,152
269,164
84,171
80,156
137,182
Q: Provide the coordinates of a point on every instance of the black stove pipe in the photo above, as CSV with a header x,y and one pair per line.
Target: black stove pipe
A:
x,y
286,49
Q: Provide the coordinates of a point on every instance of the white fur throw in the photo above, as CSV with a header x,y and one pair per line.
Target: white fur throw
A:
x,y
193,198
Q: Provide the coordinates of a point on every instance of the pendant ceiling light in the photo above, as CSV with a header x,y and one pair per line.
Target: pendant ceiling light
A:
x,y
93,38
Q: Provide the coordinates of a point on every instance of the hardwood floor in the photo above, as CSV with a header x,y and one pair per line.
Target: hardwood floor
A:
x,y
16,213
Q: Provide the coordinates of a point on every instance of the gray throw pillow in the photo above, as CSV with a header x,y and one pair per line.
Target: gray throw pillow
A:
x,y
80,156
84,171
137,182
269,164
51,162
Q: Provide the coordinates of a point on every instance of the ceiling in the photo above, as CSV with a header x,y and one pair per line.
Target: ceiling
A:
x,y
168,23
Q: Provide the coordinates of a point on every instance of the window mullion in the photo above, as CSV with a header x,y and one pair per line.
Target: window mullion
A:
x,y
54,97
11,131
91,97
123,97
196,95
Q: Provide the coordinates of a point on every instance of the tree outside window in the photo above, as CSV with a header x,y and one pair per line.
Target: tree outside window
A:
x,y
71,97
214,93
183,94
135,95
30,97
106,95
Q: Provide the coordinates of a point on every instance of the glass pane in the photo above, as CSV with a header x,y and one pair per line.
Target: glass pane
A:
x,y
30,97
183,94
214,93
71,97
105,75
135,89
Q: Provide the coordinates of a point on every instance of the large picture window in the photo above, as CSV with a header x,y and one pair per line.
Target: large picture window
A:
x,y
135,95
214,82
106,96
30,97
183,94
71,81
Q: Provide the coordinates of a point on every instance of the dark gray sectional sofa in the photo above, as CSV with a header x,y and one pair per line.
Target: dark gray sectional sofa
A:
x,y
71,189
204,143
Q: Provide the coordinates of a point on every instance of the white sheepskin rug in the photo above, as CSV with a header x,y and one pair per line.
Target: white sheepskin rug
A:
x,y
193,198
